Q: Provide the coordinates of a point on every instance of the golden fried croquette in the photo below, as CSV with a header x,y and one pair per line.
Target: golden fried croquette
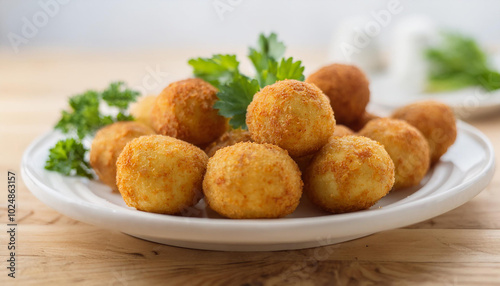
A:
x,y
184,110
293,115
359,123
142,110
435,121
229,138
347,87
161,174
341,130
107,145
350,173
251,180
405,144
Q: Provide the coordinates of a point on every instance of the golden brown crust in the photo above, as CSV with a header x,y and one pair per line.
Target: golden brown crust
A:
x,y
142,110
293,115
107,145
350,173
184,110
251,180
359,123
405,144
160,174
229,138
341,130
347,87
435,121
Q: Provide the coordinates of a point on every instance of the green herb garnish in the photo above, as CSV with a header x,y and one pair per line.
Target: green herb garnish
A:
x,y
459,62
84,119
85,116
234,99
236,90
266,60
68,158
217,70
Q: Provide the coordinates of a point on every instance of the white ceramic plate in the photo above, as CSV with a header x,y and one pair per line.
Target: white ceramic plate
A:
x,y
461,174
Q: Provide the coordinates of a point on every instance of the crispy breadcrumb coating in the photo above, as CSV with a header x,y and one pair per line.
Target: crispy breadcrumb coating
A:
x,y
229,138
347,87
293,115
341,130
350,173
161,174
107,145
359,123
251,180
405,144
184,110
435,121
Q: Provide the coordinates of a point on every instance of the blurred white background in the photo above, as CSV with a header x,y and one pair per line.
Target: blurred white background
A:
x,y
89,43
153,24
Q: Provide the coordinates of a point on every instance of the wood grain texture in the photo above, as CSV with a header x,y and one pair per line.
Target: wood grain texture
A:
x,y
461,247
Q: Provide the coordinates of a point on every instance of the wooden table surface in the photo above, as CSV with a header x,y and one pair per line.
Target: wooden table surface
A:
x,y
461,247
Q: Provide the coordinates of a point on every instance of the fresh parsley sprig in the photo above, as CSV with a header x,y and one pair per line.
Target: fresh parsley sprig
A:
x,y
68,158
285,69
459,62
217,70
234,99
266,61
236,90
82,120
85,116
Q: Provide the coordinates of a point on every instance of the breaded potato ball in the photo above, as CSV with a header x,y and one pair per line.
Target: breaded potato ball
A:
x,y
359,123
107,145
405,144
251,180
346,86
435,121
293,115
348,174
184,110
142,110
229,138
341,130
161,174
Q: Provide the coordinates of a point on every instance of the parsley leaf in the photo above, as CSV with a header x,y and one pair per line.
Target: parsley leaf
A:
x,y
234,99
118,95
68,158
270,47
85,117
217,70
268,51
266,60
457,63
286,69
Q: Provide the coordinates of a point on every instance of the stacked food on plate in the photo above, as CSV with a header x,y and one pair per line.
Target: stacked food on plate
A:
x,y
250,146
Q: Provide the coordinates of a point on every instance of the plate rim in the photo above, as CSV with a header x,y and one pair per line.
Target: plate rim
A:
x,y
241,228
